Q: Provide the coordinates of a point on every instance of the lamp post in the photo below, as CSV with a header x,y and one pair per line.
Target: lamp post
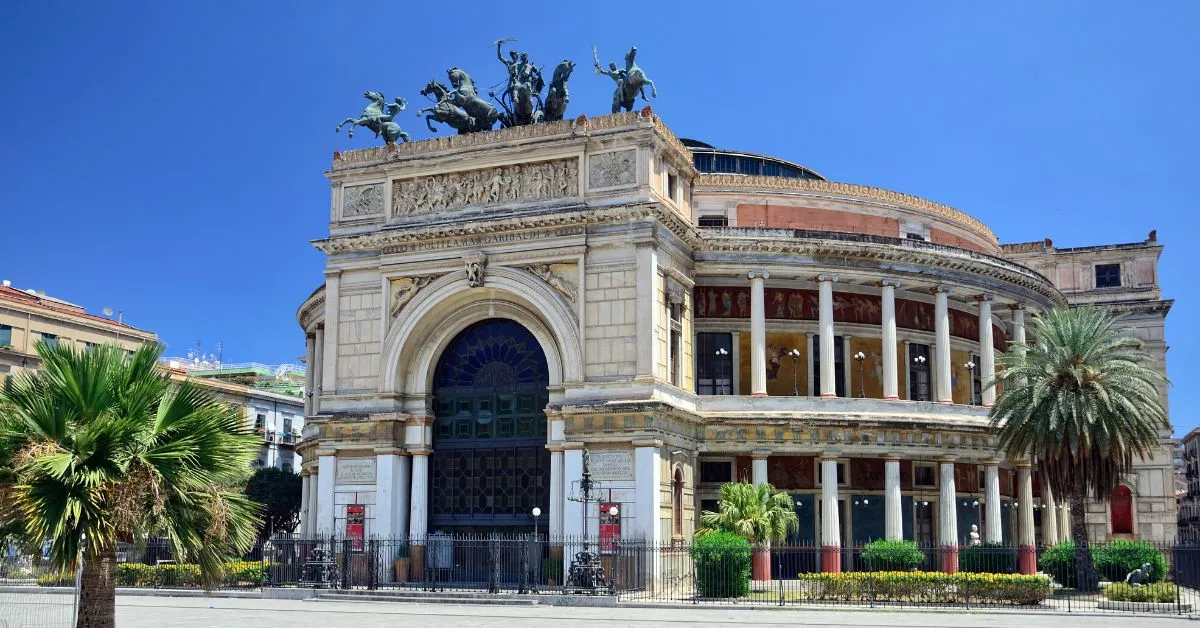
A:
x,y
920,362
721,353
970,366
862,382
537,565
795,353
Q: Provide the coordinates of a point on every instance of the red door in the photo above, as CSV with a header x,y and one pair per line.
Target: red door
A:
x,y
1122,511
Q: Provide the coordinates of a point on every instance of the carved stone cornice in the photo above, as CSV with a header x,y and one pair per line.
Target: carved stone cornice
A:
x,y
711,182
308,309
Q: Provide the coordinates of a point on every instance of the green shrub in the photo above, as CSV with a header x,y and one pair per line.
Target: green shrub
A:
x,y
1059,563
722,562
892,555
1117,558
57,579
928,587
1158,592
987,558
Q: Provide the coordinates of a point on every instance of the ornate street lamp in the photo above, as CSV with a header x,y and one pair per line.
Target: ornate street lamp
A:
x,y
795,353
721,353
920,362
862,382
970,366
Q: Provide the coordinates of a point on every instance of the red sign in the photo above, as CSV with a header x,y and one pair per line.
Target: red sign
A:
x,y
354,524
610,527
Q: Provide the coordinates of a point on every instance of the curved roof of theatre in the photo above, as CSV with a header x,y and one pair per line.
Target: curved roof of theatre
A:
x,y
710,159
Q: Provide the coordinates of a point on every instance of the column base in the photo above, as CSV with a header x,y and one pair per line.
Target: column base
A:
x,y
946,402
1027,560
950,558
758,394
831,559
760,564
892,398
829,395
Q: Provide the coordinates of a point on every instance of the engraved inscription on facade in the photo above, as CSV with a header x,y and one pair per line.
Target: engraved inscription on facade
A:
x,y
355,471
611,465
615,169
546,180
362,200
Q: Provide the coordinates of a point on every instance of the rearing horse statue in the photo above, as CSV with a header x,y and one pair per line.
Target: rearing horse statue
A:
x,y
444,110
631,81
375,118
557,96
465,96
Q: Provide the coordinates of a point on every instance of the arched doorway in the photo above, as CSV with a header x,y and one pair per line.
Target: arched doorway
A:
x,y
1122,510
490,466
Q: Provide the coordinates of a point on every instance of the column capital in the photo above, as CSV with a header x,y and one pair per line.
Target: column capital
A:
x,y
647,442
420,451
830,455
823,277
888,282
1024,464
389,451
983,297
945,459
990,462
893,456
571,446
758,274
1016,306
326,452
760,454
940,289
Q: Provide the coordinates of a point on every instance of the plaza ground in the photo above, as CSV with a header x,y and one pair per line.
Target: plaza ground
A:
x,y
146,612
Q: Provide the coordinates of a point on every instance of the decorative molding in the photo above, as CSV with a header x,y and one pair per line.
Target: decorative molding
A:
x,y
404,289
741,182
558,276
362,200
476,263
612,169
310,306
538,181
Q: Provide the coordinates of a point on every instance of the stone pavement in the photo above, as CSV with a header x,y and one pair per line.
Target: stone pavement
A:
x,y
158,612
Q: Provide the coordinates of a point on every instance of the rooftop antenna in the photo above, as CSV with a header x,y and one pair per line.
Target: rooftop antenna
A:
x,y
108,311
218,354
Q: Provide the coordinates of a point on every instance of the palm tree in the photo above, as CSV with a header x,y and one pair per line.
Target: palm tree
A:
x,y
99,446
1081,404
754,512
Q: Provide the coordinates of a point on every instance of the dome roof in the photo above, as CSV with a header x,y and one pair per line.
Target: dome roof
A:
x,y
710,159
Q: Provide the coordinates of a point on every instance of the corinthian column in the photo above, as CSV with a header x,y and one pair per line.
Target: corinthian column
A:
x,y
948,518
987,353
758,334
893,526
831,527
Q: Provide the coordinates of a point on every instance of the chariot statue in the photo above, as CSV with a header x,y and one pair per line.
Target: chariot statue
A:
x,y
378,118
631,80
521,97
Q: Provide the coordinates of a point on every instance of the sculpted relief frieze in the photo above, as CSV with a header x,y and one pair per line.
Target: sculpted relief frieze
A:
x,y
610,170
362,200
547,180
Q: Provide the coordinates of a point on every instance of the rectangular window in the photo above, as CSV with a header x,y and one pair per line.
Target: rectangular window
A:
x,y
260,422
716,471
839,365
841,472
982,479
714,364
50,340
924,475
918,372
976,383
675,343
6,336
714,221
673,186
1108,275
287,425
914,236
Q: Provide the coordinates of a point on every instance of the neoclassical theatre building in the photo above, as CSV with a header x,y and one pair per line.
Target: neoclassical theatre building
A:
x,y
496,303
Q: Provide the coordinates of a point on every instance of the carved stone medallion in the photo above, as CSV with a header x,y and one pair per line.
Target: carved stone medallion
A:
x,y
546,180
362,200
615,169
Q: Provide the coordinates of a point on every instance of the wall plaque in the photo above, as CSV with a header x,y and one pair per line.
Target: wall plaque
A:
x,y
611,465
355,471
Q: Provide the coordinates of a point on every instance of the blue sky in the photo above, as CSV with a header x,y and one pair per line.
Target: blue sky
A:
x,y
166,158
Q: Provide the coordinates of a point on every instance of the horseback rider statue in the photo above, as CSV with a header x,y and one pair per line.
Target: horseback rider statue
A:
x,y
378,118
631,80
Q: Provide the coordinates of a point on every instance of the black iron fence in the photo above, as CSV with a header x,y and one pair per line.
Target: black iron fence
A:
x,y
781,575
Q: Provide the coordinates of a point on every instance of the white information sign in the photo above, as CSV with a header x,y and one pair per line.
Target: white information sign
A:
x,y
355,471
611,465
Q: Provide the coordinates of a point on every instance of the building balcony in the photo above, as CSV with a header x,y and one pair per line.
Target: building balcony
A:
x,y
843,408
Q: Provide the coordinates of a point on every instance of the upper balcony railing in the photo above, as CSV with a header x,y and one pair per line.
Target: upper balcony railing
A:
x,y
771,233
784,405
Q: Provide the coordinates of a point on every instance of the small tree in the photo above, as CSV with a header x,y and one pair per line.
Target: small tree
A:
x,y
279,492
754,512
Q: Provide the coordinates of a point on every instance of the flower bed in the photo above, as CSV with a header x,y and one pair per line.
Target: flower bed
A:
x,y
170,576
1157,592
928,587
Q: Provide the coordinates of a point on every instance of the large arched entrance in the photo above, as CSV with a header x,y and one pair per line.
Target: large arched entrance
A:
x,y
489,466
